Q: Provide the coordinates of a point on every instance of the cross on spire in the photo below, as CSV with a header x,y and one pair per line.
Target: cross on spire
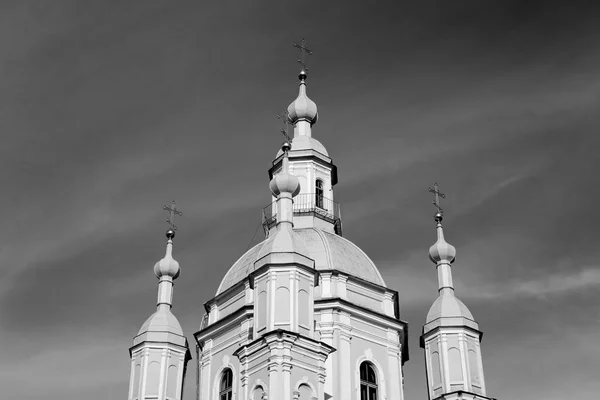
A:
x,y
173,211
437,194
304,51
285,120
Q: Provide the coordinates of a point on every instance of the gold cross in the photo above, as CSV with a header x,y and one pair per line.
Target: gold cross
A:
x,y
304,51
285,119
437,194
173,211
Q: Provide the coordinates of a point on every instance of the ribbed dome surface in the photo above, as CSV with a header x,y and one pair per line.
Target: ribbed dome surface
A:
x,y
328,250
162,321
448,307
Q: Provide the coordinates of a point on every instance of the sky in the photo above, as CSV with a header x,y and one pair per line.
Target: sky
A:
x,y
108,110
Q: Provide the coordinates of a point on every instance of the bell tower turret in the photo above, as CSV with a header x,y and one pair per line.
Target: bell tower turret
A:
x,y
314,206
160,351
451,336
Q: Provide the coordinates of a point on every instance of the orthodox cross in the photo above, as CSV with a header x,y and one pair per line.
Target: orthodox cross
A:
x,y
437,194
173,211
286,126
304,51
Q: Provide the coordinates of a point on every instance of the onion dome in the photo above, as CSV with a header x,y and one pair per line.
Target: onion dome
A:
x,y
167,266
303,108
284,182
441,251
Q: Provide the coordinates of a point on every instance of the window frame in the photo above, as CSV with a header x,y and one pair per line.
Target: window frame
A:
x,y
226,385
319,193
371,386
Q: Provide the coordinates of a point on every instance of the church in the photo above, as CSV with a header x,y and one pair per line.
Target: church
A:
x,y
305,314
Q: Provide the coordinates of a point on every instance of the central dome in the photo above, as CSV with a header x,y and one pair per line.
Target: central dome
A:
x,y
328,250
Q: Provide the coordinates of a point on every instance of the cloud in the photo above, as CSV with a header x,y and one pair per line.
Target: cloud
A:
x,y
551,284
66,368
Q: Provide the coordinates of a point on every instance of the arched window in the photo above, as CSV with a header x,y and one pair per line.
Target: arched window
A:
x,y
319,193
226,389
368,382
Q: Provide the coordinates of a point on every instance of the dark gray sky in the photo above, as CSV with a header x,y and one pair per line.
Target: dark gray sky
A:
x,y
108,110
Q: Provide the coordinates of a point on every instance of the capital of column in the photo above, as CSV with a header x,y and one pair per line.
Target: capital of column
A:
x,y
273,365
286,366
345,335
322,377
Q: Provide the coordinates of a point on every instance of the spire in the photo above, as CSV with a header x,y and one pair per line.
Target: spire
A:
x,y
302,111
451,337
442,253
166,270
447,307
160,351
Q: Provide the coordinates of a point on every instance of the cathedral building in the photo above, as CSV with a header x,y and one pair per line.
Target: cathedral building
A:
x,y
305,314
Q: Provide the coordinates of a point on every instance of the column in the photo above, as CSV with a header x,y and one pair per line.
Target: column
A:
x,y
145,357
274,391
163,373
345,367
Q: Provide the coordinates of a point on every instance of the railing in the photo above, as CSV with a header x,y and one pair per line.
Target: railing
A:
x,y
307,204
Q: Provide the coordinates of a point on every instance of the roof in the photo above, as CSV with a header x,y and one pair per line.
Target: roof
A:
x,y
447,310
303,142
163,327
328,250
162,321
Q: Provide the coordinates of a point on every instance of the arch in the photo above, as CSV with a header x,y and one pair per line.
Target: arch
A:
x,y
261,310
319,191
436,372
136,380
226,384
474,367
379,374
368,381
259,384
282,305
305,382
303,308
219,375
152,378
172,375
455,365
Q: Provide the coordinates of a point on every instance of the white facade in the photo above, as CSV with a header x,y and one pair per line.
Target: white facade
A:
x,y
305,314
300,325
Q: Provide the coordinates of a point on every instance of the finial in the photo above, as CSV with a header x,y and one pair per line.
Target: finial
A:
x,y
284,182
167,266
441,251
302,109
436,202
173,211
304,51
285,120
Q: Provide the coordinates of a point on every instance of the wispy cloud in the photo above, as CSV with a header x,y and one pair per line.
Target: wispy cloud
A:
x,y
551,284
66,369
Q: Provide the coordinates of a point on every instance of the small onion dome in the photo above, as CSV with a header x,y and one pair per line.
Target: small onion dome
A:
x,y
284,182
168,266
303,108
441,250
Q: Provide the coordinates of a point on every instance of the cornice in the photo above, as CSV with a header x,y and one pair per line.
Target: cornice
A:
x,y
235,317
